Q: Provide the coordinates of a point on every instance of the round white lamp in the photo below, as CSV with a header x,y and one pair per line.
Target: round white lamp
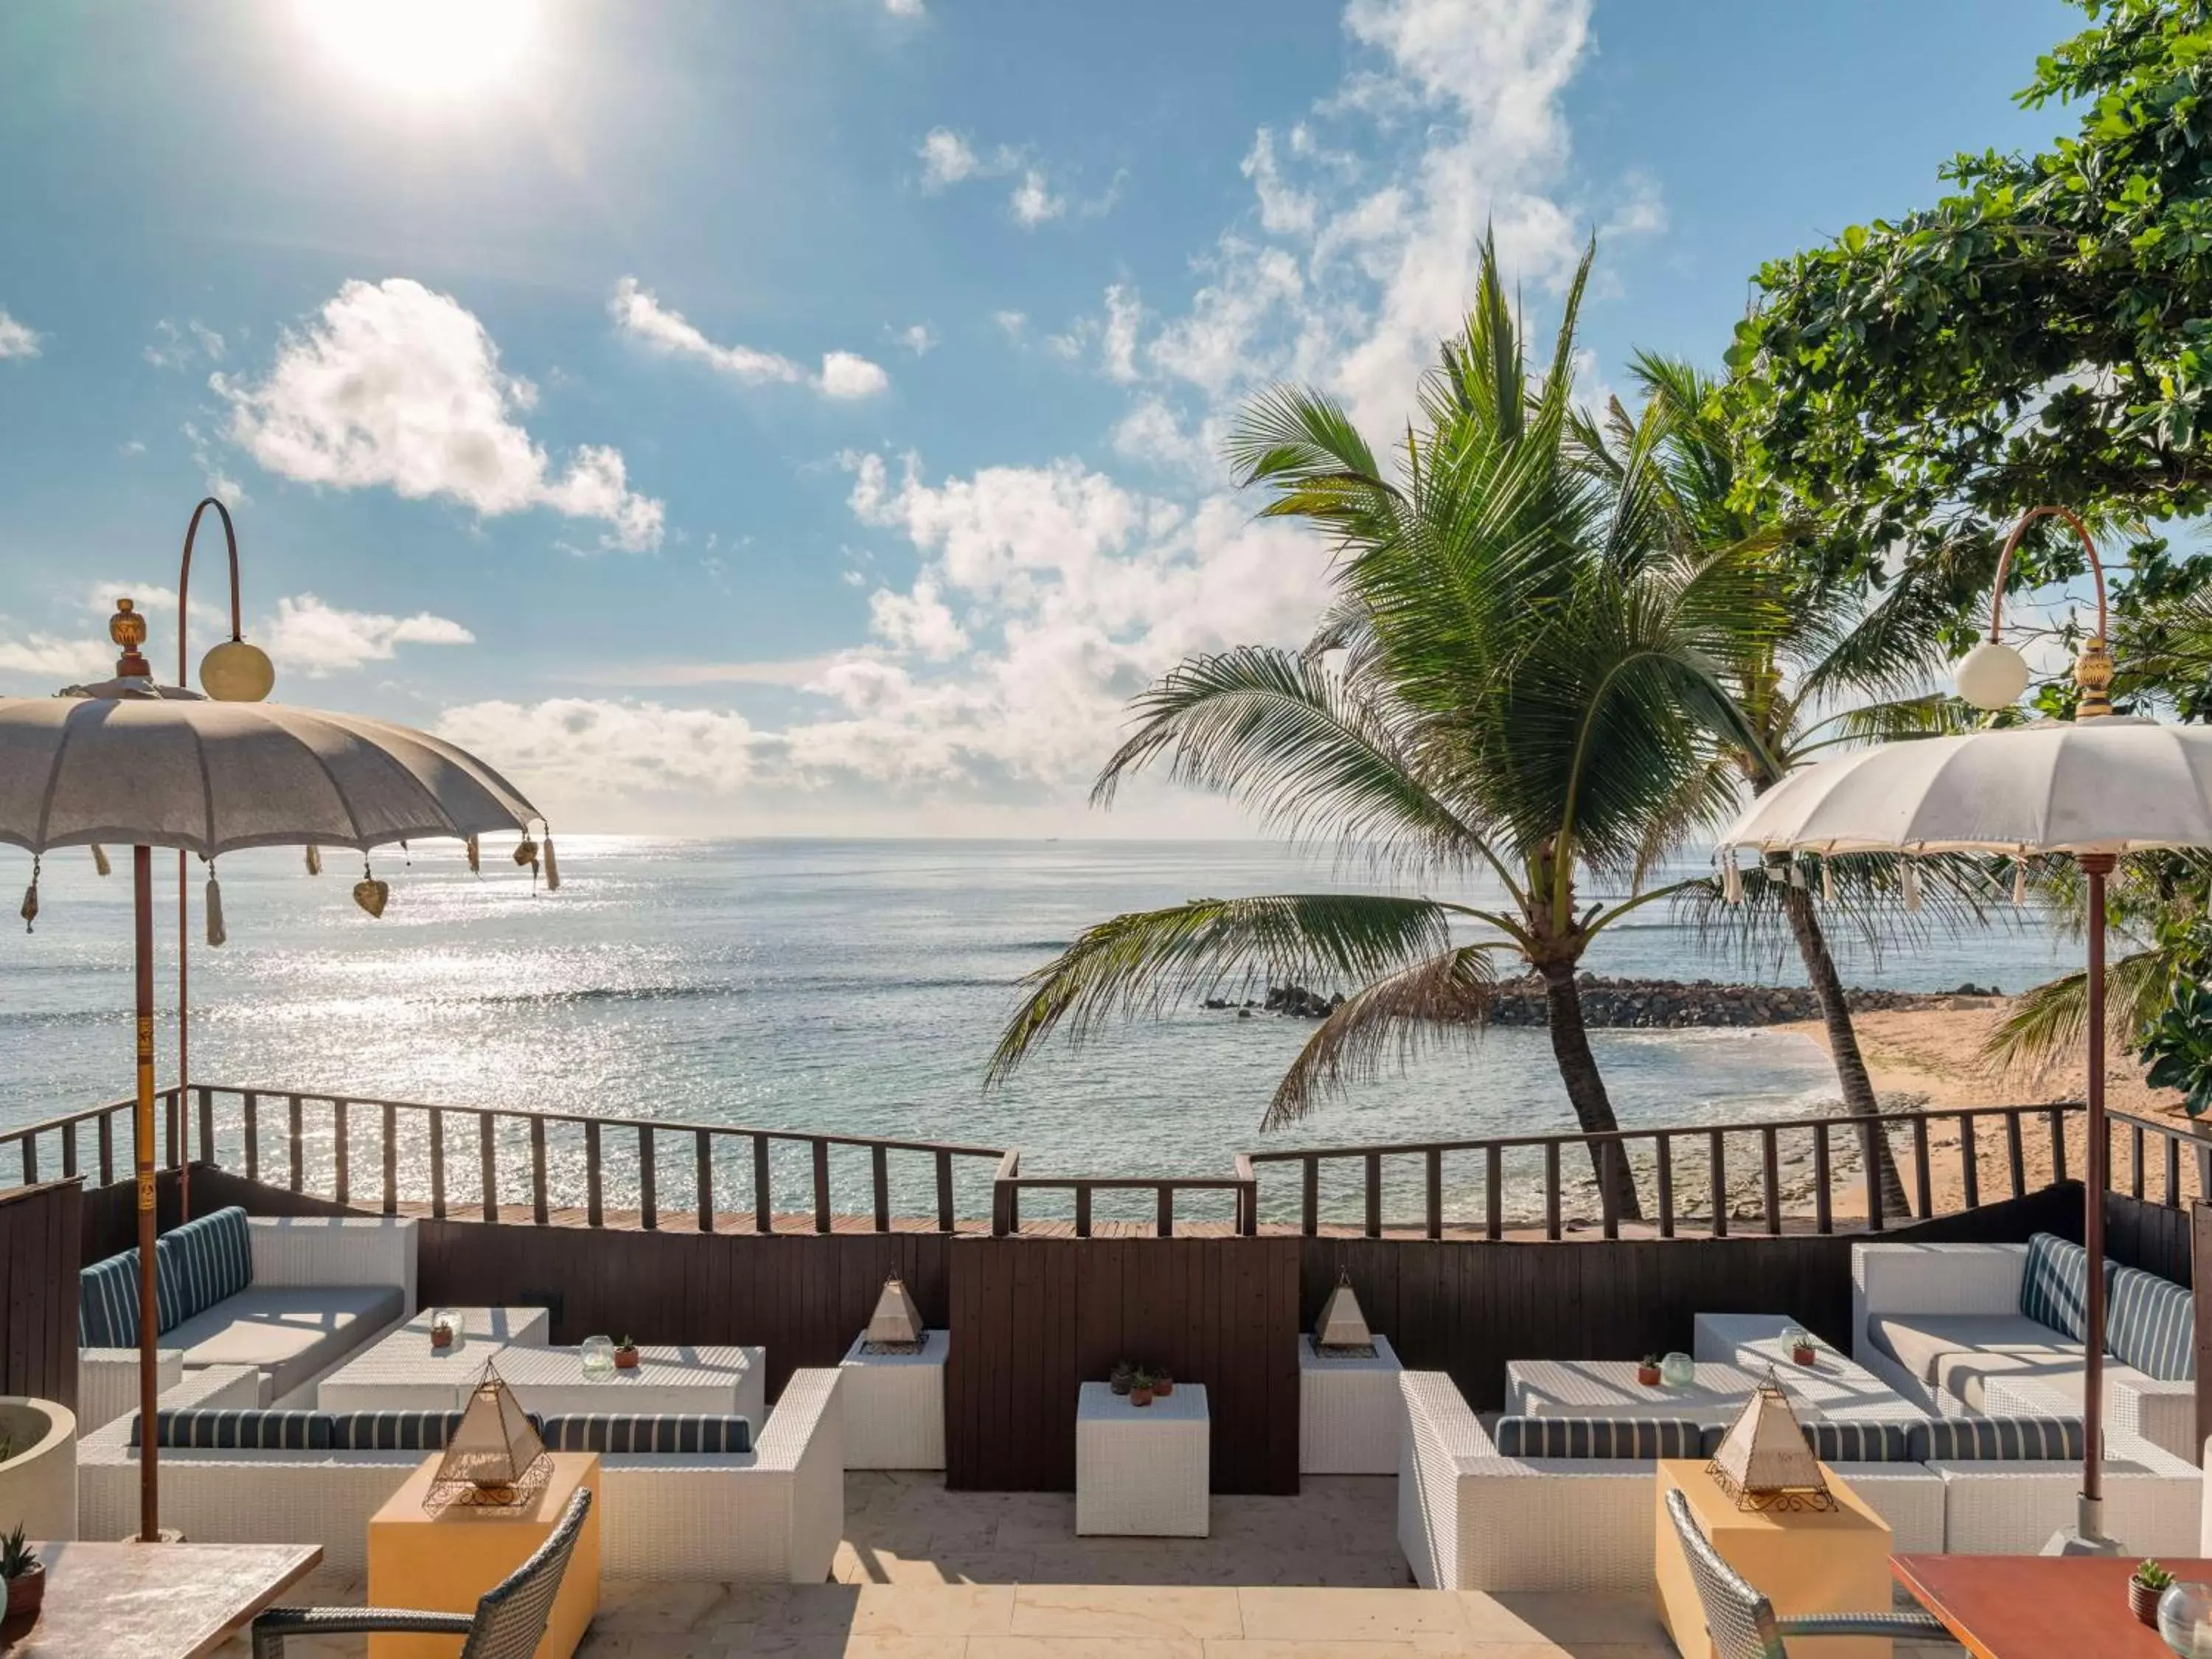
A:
x,y
1992,675
235,671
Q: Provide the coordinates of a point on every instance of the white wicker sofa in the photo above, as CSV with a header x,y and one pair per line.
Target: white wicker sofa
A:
x,y
1473,1513
291,1297
774,1513
1942,1323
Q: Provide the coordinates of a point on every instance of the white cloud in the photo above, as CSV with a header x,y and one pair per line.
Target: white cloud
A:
x,y
1032,202
903,8
309,637
566,751
1283,210
17,339
642,316
1012,324
917,337
395,385
1151,432
180,347
919,621
57,658
1117,342
948,158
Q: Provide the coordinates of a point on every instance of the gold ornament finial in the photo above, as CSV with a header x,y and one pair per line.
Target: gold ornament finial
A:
x,y
128,629
2093,676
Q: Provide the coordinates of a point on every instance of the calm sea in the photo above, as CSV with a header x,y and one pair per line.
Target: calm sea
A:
x,y
848,986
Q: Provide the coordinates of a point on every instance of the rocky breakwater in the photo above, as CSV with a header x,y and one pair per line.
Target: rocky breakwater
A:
x,y
1650,1002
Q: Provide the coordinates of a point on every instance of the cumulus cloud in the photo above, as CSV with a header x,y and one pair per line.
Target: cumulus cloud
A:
x,y
395,385
312,638
637,311
56,658
917,337
173,347
585,749
948,158
904,7
1033,202
17,339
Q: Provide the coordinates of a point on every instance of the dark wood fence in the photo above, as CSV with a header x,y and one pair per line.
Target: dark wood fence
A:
x,y
1035,1319
40,1237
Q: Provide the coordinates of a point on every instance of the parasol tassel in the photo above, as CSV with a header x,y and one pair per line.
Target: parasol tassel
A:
x,y
1798,874
1731,883
217,932
314,860
1911,886
552,868
30,910
100,860
2019,883
475,867
525,852
1827,882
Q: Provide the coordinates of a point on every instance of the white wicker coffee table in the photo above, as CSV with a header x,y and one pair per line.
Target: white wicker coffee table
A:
x,y
402,1372
1608,1388
892,1406
1833,1385
1143,1471
1348,1410
684,1381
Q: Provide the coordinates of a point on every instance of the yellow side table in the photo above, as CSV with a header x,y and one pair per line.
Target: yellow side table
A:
x,y
443,1563
1819,1561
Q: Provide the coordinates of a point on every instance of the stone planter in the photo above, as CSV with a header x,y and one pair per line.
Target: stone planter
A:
x,y
38,1483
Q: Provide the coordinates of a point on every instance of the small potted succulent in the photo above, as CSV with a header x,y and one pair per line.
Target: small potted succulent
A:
x,y
1118,1378
1162,1384
2150,1581
1141,1387
1647,1371
24,1574
1802,1348
625,1355
445,1330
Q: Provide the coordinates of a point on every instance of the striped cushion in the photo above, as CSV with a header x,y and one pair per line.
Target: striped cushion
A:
x,y
2030,1439
107,1303
200,1263
1598,1437
2151,1324
1842,1441
624,1432
246,1429
2054,1291
392,1430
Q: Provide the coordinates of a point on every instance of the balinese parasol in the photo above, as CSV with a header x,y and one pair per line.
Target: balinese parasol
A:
x,y
128,763
2091,788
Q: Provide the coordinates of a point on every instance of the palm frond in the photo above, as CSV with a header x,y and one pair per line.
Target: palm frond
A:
x,y
2047,1025
1290,436
1959,893
1139,963
1443,999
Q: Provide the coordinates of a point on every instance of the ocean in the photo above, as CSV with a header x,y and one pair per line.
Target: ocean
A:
x,y
853,986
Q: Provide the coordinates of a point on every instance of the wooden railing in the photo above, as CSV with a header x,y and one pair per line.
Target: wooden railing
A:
x,y
1011,1183
277,1134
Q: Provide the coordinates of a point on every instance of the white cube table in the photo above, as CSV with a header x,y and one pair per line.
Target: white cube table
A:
x,y
1143,1470
402,1372
1348,1410
893,1406
1833,1385
1608,1388
683,1381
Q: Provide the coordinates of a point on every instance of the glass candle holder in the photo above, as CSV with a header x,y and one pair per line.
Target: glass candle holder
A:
x,y
1678,1371
447,1331
2184,1619
1796,1342
598,1353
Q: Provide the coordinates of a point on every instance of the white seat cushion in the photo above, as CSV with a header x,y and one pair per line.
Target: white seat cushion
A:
x,y
1918,1341
289,1332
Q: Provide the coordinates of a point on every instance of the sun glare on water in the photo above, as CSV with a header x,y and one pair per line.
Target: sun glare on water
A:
x,y
423,45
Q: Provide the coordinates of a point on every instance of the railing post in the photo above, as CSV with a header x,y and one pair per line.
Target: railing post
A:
x,y
1665,1150
1551,1189
1872,1140
2136,1176
1310,1196
293,1135
1435,1160
1083,1209
702,1153
487,1160
1494,1192
649,1182
107,1154
69,1150
1823,1214
946,1221
1716,1174
1608,1215
1924,1184
1770,1176
879,1172
1374,1162
1248,1197
1971,1163
594,1176
341,1152
253,1135
30,1146
822,1187
1005,1198
207,1123
2014,1157
1166,1190
437,1164
391,1158
2056,1120
763,1188
537,1205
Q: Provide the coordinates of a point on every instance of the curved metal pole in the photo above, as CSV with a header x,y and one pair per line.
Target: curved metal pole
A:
x,y
2004,565
181,1132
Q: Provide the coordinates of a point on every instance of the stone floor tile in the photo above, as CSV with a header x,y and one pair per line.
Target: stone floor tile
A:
x,y
935,1610
1066,1610
1566,1616
1162,1563
1085,1647
654,1606
984,1567
1429,1647
1337,1615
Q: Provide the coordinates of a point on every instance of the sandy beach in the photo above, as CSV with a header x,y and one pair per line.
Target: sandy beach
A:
x,y
1932,1057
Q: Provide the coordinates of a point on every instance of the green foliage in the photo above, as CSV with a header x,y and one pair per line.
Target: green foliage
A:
x,y
2042,333
2178,1046
16,1557
2151,1576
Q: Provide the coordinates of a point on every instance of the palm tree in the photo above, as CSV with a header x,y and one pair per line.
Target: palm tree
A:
x,y
1839,645
1524,663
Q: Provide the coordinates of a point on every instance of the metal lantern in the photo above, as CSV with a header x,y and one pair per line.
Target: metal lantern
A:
x,y
1763,1462
896,1325
493,1458
1342,1328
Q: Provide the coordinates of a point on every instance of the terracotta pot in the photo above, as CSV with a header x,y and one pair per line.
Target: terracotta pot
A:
x,y
2143,1601
1163,1388
27,1592
1648,1376
1141,1396
1804,1355
442,1338
625,1359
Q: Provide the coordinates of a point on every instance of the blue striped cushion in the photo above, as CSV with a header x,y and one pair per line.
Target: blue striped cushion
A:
x,y
392,1430
1598,1436
1843,1441
616,1434
2032,1439
243,1428
2054,1291
2151,1324
107,1303
202,1262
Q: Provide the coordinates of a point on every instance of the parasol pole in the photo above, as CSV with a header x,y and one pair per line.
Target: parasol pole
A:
x,y
142,900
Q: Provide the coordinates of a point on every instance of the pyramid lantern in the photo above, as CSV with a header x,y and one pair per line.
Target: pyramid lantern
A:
x,y
1341,1324
896,1322
1765,1462
494,1457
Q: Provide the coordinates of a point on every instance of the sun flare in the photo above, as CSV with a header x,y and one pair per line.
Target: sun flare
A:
x,y
423,45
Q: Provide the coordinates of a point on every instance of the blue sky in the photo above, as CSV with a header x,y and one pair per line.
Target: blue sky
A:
x,y
799,415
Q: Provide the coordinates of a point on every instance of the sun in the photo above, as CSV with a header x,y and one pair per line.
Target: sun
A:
x,y
423,45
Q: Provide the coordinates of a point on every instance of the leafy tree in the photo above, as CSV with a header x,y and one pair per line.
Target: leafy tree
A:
x,y
1526,660
2042,333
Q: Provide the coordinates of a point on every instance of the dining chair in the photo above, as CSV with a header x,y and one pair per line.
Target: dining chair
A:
x,y
1741,1621
508,1624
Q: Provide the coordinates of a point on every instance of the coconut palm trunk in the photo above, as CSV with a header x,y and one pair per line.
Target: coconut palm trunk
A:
x,y
1859,1100
1586,1090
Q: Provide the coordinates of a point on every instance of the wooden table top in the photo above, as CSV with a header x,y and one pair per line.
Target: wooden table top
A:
x,y
2038,1606
152,1601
